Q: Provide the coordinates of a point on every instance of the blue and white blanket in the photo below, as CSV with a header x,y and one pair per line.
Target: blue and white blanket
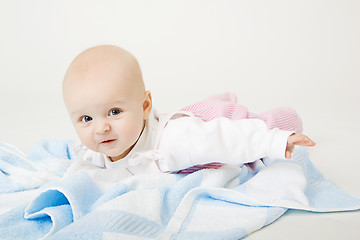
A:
x,y
48,195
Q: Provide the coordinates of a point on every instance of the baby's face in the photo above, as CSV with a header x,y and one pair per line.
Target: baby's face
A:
x,y
107,110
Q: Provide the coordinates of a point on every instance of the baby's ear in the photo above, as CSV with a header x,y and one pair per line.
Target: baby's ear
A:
x,y
147,105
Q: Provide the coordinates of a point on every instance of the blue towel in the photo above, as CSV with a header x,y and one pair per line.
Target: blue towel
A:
x,y
47,161
92,203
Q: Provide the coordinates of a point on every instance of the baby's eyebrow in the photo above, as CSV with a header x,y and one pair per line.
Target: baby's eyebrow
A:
x,y
117,103
75,114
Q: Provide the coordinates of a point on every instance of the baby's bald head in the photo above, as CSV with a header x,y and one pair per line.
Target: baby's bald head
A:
x,y
101,65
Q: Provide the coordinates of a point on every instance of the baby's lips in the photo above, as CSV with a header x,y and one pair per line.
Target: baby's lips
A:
x,y
107,140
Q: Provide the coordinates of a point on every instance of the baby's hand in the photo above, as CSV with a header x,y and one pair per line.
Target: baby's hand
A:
x,y
297,139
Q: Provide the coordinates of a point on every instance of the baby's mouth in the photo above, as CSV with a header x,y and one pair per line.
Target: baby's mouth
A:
x,y
108,141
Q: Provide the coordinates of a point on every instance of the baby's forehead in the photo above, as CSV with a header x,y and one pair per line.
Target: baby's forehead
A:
x,y
95,96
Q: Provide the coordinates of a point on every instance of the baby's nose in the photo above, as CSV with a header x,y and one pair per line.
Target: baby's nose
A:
x,y
102,127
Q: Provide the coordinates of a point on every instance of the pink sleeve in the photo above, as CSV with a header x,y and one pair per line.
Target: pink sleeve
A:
x,y
225,105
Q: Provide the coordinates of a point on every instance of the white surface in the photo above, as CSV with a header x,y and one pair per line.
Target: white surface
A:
x,y
303,54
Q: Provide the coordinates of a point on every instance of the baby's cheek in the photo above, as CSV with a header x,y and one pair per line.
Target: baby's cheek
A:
x,y
134,129
86,139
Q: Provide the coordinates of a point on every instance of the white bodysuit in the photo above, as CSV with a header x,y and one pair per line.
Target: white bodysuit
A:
x,y
171,142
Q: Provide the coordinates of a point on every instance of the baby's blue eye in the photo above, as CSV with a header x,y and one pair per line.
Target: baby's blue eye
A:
x,y
114,112
86,119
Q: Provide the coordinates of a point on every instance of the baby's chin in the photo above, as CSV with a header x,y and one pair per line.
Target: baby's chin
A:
x,y
117,156
113,151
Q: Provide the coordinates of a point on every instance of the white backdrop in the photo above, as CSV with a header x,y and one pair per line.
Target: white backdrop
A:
x,y
303,54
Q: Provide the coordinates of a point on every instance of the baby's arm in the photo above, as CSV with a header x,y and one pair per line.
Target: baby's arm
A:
x,y
190,141
225,105
297,139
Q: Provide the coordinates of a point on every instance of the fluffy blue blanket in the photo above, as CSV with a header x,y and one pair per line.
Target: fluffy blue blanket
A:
x,y
48,195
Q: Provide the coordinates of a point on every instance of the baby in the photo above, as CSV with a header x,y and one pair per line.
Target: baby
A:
x,y
112,114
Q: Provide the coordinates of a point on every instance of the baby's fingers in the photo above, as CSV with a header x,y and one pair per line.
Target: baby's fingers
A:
x,y
305,141
288,154
300,139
